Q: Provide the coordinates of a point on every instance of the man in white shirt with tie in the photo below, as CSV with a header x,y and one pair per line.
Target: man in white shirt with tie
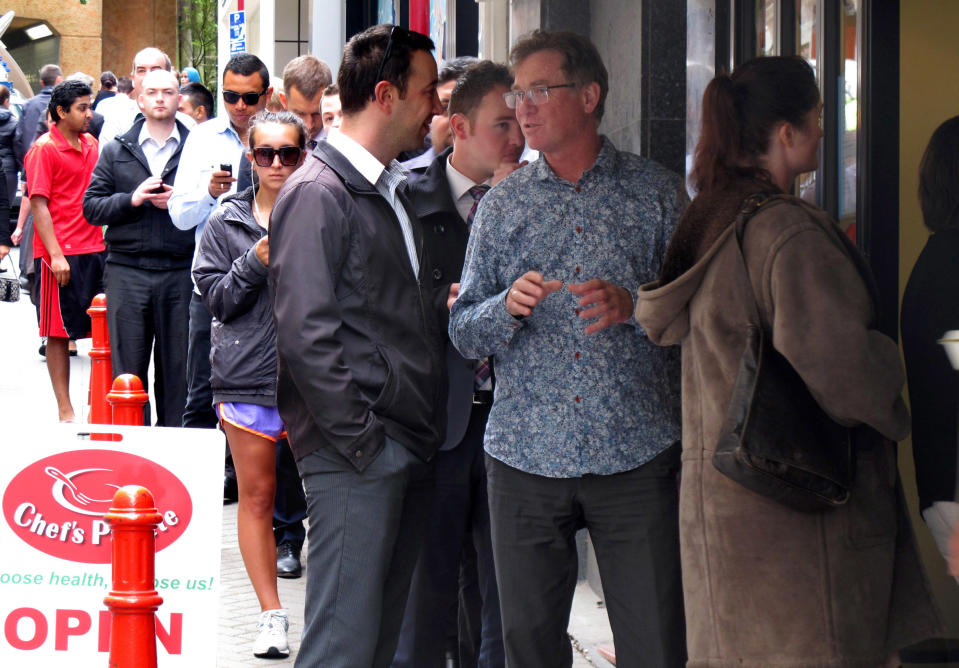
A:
x,y
487,143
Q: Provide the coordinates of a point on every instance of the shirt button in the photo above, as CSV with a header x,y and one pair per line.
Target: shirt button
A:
x,y
359,453
577,270
579,189
579,229
577,399
576,311
576,355
437,274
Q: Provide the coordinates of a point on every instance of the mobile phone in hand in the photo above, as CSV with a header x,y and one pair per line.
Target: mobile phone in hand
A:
x,y
226,167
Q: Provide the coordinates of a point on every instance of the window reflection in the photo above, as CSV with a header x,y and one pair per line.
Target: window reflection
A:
x,y
849,117
807,47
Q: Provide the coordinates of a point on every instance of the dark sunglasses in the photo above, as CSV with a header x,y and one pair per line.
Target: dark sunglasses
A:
x,y
249,99
289,155
387,52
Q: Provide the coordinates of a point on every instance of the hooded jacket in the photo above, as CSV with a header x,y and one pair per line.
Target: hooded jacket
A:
x,y
766,585
139,236
8,155
233,284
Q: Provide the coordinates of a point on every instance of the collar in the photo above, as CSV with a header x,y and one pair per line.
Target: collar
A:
x,y
359,157
63,145
145,136
459,182
222,125
605,162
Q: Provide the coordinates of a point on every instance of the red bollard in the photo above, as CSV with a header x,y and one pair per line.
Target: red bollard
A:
x,y
127,399
101,369
133,601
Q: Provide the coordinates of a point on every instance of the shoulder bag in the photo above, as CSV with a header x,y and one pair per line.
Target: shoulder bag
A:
x,y
776,440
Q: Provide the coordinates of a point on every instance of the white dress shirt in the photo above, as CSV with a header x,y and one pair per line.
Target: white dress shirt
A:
x,y
385,179
460,185
158,153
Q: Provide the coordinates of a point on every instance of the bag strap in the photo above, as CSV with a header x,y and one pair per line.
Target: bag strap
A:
x,y
750,206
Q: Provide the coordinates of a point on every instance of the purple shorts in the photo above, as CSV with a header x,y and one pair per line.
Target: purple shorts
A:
x,y
264,421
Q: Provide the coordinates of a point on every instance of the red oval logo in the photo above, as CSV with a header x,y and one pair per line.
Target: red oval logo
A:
x,y
57,504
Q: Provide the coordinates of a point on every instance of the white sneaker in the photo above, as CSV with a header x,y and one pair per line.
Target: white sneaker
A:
x,y
271,630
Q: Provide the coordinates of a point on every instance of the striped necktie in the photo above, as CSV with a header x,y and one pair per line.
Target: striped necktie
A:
x,y
476,192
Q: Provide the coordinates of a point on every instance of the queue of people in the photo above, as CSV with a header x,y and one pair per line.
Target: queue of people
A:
x,y
447,380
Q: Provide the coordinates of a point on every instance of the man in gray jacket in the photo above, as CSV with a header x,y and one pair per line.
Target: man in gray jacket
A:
x,y
361,384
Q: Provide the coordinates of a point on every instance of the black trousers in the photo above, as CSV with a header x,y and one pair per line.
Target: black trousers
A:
x,y
633,522
148,311
459,515
289,504
198,411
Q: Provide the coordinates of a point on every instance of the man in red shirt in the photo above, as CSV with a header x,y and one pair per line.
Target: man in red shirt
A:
x,y
68,252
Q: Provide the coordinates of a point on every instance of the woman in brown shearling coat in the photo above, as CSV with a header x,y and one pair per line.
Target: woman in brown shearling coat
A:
x,y
766,585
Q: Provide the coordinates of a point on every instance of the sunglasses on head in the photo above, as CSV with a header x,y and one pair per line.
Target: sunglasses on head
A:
x,y
289,155
249,99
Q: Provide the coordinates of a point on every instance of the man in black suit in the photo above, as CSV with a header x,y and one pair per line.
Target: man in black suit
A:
x,y
487,143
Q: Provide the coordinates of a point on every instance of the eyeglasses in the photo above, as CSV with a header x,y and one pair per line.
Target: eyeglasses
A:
x,y
289,155
249,99
387,52
536,95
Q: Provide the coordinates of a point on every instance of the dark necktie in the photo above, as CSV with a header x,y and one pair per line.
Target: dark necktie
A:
x,y
476,192
311,144
481,379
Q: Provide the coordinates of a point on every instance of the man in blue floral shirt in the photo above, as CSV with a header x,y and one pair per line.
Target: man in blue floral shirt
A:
x,y
585,425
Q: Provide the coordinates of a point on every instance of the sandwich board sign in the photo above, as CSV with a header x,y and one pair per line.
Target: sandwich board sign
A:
x,y
55,488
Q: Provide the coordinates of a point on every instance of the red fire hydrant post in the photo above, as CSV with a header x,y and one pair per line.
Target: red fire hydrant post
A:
x,y
101,369
133,600
127,399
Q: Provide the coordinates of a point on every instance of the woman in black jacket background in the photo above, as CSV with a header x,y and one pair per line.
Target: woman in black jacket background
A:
x,y
930,308
9,166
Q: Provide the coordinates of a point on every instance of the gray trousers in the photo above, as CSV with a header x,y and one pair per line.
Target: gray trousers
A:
x,y
364,538
633,522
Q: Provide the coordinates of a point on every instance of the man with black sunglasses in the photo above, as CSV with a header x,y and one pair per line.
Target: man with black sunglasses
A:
x,y
361,384
199,186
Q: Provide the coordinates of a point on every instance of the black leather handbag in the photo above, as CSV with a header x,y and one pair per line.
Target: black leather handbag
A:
x,y
776,440
9,285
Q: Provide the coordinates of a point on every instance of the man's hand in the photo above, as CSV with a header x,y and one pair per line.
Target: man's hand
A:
x,y
144,191
220,183
17,236
504,169
160,199
61,269
454,293
263,250
610,303
4,251
527,291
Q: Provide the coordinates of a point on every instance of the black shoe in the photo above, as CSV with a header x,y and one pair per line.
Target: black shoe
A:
x,y
288,561
229,490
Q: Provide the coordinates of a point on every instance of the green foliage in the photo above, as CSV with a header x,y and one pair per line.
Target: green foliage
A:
x,y
198,39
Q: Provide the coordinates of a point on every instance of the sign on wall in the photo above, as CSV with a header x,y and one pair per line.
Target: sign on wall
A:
x,y
237,32
55,487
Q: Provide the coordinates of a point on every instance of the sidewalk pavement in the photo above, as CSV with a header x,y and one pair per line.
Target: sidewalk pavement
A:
x,y
588,624
25,394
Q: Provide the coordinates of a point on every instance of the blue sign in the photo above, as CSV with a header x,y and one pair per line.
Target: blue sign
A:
x,y
237,32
